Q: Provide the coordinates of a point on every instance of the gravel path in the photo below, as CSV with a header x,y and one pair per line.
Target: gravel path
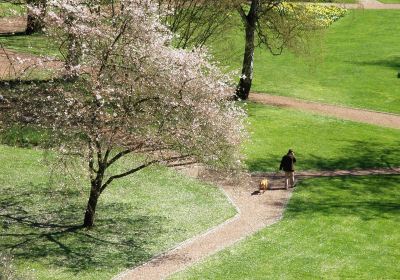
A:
x,y
358,115
366,5
255,211
9,25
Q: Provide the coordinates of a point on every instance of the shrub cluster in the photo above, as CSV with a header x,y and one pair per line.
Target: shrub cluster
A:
x,y
322,16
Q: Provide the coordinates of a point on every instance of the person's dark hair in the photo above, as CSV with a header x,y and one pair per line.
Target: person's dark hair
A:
x,y
290,151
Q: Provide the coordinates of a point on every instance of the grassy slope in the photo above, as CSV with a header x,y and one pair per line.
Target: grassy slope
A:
x,y
10,10
137,217
319,142
342,228
36,44
355,64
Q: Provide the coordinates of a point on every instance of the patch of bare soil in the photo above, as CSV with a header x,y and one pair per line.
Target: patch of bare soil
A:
x,y
9,25
15,65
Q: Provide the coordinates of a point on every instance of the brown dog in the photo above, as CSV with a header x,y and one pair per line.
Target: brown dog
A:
x,y
263,185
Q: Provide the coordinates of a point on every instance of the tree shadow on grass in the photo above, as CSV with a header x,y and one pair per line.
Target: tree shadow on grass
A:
x,y
366,197
393,62
354,155
38,226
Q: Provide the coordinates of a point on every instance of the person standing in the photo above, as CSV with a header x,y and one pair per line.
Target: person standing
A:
x,y
287,165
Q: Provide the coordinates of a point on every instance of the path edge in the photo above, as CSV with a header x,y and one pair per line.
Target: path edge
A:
x,y
277,220
125,272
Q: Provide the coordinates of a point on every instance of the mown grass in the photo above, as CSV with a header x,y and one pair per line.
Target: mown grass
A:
x,y
336,228
355,63
137,217
36,44
11,10
320,142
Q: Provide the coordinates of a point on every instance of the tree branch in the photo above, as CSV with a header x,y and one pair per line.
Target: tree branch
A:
x,y
144,165
118,156
112,178
108,52
242,14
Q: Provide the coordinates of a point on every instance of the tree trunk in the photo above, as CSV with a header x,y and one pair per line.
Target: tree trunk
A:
x,y
91,206
243,88
35,22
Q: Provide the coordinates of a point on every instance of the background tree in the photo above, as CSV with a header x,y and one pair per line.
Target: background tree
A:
x,y
272,24
36,13
136,96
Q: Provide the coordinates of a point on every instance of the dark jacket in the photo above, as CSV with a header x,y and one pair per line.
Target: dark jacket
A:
x,y
287,163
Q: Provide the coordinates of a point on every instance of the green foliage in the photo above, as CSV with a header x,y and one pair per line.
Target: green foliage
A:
x,y
293,25
320,142
336,228
139,216
312,14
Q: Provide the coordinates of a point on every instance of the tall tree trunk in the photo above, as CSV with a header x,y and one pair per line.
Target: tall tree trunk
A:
x,y
35,22
88,222
243,89
250,20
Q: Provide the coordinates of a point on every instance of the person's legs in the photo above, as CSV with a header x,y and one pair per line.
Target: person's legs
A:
x,y
292,179
287,179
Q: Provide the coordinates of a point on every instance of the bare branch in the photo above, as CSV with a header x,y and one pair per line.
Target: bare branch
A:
x,y
242,14
136,169
118,156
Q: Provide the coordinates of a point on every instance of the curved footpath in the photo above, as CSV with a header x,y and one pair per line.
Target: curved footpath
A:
x,y
365,4
358,115
255,211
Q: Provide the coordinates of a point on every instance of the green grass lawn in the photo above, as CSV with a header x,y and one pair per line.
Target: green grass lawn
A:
x,y
35,44
10,10
336,228
319,142
354,64
137,217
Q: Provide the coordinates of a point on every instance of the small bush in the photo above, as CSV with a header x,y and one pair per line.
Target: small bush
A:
x,y
321,16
